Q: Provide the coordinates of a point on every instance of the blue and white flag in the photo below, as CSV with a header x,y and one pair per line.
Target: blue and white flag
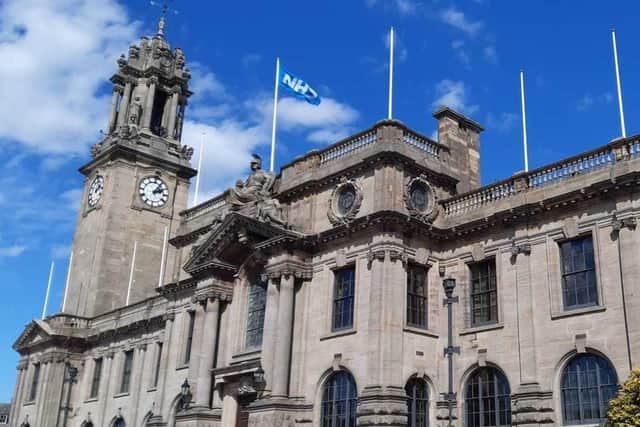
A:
x,y
299,87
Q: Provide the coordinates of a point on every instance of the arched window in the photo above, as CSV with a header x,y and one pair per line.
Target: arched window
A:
x,y
488,399
588,383
339,400
417,403
119,423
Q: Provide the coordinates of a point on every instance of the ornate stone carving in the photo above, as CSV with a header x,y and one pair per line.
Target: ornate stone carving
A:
x,y
254,196
345,202
373,255
420,199
522,248
186,152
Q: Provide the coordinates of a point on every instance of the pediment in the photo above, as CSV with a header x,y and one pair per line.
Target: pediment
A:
x,y
35,332
227,247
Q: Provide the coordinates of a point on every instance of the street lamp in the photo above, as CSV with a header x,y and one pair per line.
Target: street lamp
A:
x,y
185,398
449,284
72,374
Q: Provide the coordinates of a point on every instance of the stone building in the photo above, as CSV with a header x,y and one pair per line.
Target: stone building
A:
x,y
315,297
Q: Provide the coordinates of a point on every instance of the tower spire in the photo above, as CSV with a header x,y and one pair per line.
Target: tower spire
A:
x,y
164,8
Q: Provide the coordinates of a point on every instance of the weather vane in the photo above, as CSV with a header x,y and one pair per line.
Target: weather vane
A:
x,y
164,8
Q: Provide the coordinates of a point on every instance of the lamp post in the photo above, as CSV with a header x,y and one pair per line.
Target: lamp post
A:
x,y
71,377
185,398
449,285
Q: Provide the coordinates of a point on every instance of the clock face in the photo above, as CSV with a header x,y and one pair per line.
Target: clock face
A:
x,y
95,191
153,191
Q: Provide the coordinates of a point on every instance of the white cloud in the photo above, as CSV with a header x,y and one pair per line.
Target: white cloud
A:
x,y
229,141
12,251
60,251
457,19
400,51
404,7
588,100
461,52
60,55
490,54
503,122
453,94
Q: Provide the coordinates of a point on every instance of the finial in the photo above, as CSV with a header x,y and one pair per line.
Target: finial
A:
x,y
164,8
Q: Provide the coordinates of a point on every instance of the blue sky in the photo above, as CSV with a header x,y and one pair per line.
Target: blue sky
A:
x,y
57,57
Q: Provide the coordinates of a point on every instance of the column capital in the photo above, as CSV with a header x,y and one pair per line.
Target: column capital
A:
x,y
287,267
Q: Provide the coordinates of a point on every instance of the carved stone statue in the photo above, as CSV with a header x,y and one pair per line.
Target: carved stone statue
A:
x,y
256,192
257,186
135,110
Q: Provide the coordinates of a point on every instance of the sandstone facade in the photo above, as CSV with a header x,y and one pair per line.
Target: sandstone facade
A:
x,y
247,309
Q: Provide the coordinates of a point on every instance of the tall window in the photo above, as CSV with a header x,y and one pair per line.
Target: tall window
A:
x,y
417,296
119,423
343,298
189,344
488,399
126,371
255,314
35,379
417,403
579,288
156,373
484,293
95,381
588,383
339,400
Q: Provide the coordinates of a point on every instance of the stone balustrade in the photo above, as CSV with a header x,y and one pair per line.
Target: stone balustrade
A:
x,y
421,143
213,204
617,151
347,147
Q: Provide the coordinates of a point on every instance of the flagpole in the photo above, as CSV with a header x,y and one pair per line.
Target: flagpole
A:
x,y
46,297
66,283
275,113
524,123
164,255
195,196
390,74
133,264
615,60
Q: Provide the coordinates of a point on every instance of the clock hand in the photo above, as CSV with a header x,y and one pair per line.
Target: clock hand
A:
x,y
158,189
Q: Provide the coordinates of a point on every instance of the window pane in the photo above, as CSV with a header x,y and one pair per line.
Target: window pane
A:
x,y
343,298
488,399
417,289
588,383
339,401
257,305
484,294
578,273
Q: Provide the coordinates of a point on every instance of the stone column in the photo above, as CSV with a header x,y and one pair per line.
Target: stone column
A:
x,y
140,362
164,360
124,104
269,335
17,393
209,338
148,105
283,344
196,344
173,111
524,294
103,392
117,90
229,409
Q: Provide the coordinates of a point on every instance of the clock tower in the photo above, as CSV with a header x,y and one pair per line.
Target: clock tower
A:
x,y
136,183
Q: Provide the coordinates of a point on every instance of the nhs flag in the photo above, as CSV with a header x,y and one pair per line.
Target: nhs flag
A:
x,y
299,87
